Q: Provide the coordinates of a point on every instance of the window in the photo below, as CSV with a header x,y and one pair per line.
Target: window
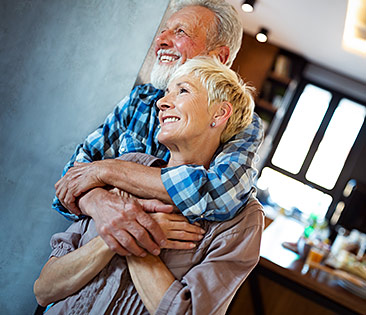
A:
x,y
301,129
337,142
289,193
304,168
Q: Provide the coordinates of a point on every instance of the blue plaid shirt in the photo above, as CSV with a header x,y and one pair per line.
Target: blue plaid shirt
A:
x,y
215,194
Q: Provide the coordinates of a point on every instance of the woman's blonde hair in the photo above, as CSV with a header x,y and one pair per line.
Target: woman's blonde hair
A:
x,y
222,84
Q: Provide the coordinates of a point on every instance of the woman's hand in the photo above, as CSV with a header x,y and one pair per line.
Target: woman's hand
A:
x,y
78,180
179,232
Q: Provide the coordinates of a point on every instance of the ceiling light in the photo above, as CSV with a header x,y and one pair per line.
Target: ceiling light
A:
x,y
262,35
248,6
354,36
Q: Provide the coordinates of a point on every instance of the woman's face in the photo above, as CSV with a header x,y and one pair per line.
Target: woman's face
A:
x,y
184,114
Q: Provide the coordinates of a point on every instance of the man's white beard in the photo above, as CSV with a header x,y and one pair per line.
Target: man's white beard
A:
x,y
160,74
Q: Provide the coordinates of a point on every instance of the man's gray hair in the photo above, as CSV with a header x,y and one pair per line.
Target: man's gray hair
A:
x,y
227,31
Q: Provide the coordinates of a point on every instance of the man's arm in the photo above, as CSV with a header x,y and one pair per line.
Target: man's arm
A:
x,y
124,130
215,194
100,144
136,179
218,193
114,137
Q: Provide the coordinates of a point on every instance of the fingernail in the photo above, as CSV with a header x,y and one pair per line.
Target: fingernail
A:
x,y
191,245
156,252
203,231
200,236
163,243
143,255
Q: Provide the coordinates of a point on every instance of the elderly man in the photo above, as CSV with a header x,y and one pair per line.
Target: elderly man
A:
x,y
197,27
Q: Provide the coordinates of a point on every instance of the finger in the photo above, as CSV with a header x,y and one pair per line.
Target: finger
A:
x,y
72,192
60,193
58,184
62,190
75,210
179,245
184,236
164,208
185,226
68,199
144,239
153,228
154,205
114,245
174,217
168,217
129,243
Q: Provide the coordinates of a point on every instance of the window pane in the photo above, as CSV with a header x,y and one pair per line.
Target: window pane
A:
x,y
301,129
338,140
289,193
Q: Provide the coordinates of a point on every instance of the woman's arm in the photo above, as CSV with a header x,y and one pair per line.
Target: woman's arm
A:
x,y
208,286
151,278
63,276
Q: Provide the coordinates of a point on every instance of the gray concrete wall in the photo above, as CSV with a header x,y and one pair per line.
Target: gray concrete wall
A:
x,y
64,64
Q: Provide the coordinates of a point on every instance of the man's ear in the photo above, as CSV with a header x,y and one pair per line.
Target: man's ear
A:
x,y
223,113
221,52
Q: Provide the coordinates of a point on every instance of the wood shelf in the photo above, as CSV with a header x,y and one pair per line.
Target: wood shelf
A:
x,y
278,78
263,104
270,69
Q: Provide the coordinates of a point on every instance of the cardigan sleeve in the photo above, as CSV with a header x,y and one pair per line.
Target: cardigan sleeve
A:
x,y
209,287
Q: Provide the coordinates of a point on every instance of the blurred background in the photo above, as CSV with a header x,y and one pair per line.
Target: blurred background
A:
x,y
307,60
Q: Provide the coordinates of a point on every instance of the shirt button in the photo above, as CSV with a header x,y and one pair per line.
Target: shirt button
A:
x,y
123,150
202,216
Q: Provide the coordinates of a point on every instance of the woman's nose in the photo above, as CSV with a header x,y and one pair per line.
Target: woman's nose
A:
x,y
164,104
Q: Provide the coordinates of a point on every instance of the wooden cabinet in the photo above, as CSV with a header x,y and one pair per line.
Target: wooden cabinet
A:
x,y
270,69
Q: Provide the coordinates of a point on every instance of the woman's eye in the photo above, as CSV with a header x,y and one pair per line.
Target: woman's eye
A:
x,y
182,90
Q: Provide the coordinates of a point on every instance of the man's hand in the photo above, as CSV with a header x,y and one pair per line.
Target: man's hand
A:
x,y
123,222
78,180
179,232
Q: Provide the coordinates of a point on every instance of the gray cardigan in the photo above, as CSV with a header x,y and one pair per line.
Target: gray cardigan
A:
x,y
207,277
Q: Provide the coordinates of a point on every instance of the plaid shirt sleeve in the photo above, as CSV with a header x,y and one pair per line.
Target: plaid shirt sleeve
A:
x,y
218,193
102,143
110,140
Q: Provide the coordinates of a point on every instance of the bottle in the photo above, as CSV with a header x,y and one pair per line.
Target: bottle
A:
x,y
340,242
311,224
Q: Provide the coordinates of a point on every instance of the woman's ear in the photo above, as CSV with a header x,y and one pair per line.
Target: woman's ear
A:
x,y
223,113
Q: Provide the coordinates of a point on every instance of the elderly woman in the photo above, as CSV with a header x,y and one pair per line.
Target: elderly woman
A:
x,y
200,268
